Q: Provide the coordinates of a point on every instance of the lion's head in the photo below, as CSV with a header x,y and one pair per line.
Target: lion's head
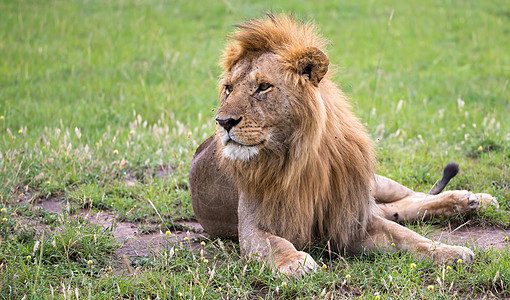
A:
x,y
262,89
288,135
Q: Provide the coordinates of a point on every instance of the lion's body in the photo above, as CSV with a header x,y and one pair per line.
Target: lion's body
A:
x,y
290,164
333,203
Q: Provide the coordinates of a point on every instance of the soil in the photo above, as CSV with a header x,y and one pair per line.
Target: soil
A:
x,y
135,243
481,237
129,235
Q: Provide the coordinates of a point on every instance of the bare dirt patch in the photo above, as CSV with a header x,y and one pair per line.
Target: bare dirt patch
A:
x,y
134,242
482,237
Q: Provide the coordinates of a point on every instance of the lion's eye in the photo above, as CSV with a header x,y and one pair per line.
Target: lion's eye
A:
x,y
264,87
228,89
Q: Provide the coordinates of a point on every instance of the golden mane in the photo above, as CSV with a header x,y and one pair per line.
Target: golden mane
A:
x,y
319,188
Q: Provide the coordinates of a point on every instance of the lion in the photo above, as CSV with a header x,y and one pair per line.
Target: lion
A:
x,y
290,166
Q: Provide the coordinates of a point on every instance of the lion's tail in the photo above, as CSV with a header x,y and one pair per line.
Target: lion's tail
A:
x,y
449,172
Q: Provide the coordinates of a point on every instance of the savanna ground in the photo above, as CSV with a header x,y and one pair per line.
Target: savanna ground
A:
x,y
102,104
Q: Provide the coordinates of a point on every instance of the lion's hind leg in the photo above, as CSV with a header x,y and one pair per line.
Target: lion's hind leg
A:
x,y
385,235
420,206
387,190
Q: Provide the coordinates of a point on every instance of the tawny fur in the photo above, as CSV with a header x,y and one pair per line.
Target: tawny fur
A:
x,y
318,186
289,164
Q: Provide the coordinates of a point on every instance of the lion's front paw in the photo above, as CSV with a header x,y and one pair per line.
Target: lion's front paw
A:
x,y
444,254
296,264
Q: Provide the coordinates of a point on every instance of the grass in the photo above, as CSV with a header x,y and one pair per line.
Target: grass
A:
x,y
102,105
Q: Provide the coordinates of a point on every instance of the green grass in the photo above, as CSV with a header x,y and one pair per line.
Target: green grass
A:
x,y
97,96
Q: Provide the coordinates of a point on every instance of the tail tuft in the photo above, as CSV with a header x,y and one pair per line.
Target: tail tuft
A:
x,y
449,172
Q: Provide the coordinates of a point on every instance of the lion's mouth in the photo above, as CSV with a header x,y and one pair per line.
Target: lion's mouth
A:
x,y
236,143
227,139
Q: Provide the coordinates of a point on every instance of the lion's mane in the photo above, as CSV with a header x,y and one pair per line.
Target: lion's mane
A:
x,y
320,188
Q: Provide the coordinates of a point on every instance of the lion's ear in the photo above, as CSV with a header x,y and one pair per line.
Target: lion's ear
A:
x,y
313,64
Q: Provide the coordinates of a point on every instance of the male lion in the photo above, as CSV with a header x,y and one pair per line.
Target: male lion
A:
x,y
290,165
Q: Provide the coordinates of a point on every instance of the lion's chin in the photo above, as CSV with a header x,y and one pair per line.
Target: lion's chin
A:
x,y
236,151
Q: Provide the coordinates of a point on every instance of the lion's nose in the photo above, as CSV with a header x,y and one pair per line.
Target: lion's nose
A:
x,y
228,123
